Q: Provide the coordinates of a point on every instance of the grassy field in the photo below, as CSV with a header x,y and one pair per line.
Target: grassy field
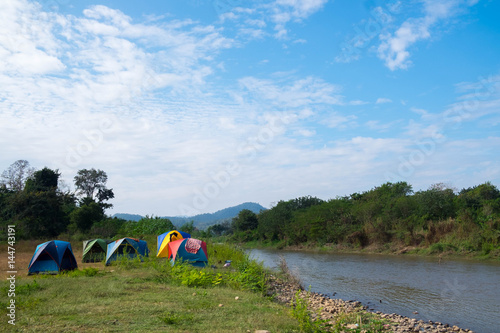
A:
x,y
136,296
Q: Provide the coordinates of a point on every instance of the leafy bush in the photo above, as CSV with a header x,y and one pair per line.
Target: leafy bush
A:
x,y
250,276
107,228
300,312
146,226
191,276
243,274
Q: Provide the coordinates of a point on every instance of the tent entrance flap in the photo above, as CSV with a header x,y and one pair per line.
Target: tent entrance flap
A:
x,y
94,250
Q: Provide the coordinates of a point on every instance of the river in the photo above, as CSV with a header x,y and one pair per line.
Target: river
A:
x,y
457,292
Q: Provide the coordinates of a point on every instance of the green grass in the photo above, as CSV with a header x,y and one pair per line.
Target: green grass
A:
x,y
153,296
364,321
131,301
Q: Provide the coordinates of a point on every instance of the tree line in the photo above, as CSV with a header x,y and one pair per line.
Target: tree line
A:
x,y
40,206
387,215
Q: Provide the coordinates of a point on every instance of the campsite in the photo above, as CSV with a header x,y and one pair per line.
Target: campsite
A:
x,y
93,272
152,295
150,149
198,287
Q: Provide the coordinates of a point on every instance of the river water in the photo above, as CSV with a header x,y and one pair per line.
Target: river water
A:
x,y
457,292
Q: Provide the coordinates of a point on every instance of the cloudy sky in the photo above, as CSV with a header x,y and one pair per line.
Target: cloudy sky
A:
x,y
193,106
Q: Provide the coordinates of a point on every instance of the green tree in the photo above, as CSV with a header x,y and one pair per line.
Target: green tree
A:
x,y
91,188
475,198
278,222
92,184
40,210
107,228
246,220
86,215
437,203
147,226
43,180
274,221
220,229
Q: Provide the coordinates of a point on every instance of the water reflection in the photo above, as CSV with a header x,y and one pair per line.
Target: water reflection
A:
x,y
457,292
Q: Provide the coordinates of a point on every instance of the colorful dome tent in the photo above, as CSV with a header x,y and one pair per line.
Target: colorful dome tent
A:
x,y
52,257
94,250
191,250
165,238
129,247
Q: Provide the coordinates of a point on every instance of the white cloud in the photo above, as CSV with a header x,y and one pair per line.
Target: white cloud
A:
x,y
479,99
253,33
306,132
336,120
379,126
298,93
394,48
357,102
366,31
131,99
228,16
256,22
285,11
277,14
421,112
26,46
301,8
62,76
116,17
419,131
143,101
382,100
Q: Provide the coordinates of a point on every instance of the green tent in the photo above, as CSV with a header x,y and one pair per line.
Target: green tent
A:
x,y
94,250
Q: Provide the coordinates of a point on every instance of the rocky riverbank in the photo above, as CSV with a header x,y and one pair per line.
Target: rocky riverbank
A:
x,y
328,309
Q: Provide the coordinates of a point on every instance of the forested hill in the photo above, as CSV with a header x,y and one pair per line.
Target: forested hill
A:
x,y
202,221
128,217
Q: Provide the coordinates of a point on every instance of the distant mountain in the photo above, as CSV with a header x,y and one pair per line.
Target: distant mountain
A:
x,y
128,217
202,221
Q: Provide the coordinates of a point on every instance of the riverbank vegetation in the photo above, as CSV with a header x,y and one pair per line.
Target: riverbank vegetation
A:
x,y
390,217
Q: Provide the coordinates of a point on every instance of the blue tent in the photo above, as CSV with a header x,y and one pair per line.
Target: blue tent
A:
x,y
129,247
52,257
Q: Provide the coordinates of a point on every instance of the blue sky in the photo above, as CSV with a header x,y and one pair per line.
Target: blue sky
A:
x,y
193,106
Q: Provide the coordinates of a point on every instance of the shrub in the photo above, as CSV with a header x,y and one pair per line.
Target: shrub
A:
x,y
250,276
300,312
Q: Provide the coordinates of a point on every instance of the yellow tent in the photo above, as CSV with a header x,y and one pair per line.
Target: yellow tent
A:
x,y
164,239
